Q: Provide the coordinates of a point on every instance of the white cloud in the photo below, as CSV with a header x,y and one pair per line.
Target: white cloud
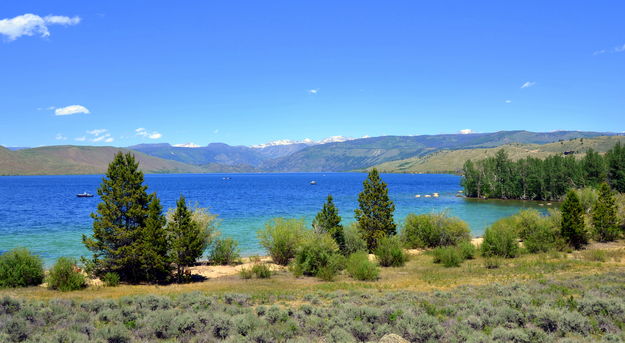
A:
x,y
508,101
528,84
31,24
99,135
60,137
615,49
97,132
466,131
80,139
187,145
313,91
145,133
72,109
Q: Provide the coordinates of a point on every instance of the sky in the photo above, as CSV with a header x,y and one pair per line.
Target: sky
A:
x,y
248,72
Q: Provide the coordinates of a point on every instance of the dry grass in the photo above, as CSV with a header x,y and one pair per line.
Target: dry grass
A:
x,y
419,274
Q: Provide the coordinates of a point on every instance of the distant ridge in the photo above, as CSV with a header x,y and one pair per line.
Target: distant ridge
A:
x,y
349,155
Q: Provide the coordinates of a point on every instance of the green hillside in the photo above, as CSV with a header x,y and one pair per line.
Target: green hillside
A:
x,y
59,160
451,161
363,153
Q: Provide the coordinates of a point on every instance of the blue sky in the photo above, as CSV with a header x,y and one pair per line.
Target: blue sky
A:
x,y
248,72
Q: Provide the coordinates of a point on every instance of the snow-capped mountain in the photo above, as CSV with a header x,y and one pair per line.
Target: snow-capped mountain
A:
x,y
307,141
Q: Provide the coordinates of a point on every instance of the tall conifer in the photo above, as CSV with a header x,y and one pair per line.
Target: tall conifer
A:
x,y
375,212
187,239
573,229
604,219
329,221
119,220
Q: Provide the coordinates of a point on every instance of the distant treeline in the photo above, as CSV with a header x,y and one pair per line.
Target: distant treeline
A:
x,y
542,179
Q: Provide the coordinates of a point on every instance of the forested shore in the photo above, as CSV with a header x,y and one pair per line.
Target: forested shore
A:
x,y
546,179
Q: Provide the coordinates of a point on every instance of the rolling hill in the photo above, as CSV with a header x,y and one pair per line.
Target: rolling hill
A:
x,y
451,161
55,160
362,153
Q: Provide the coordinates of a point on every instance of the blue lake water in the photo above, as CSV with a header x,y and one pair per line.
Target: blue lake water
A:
x,y
43,213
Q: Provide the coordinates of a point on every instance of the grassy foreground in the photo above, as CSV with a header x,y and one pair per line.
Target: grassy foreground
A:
x,y
533,298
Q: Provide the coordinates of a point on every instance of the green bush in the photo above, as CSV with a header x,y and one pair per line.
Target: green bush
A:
x,y
224,251
314,254
246,273
390,252
360,268
353,240
538,232
111,279
261,270
448,256
500,240
467,250
282,237
20,268
65,276
433,230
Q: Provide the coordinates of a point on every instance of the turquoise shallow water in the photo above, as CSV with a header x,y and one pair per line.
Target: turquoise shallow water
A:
x,y
43,214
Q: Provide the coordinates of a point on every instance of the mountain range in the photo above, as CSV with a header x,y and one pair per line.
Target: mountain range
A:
x,y
337,154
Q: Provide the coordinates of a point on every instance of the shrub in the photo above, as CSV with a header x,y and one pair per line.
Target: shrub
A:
x,y
224,251
448,256
390,252
261,270
64,276
315,253
433,230
467,250
360,268
20,268
353,240
500,240
539,233
111,279
246,273
281,237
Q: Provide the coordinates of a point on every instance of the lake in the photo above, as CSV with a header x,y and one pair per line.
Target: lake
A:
x,y
43,213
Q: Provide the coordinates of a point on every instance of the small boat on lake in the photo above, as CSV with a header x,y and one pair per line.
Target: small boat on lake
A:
x,y
85,195
313,182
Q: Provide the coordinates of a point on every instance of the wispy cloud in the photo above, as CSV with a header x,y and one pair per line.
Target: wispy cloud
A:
x,y
31,24
466,131
60,137
508,101
528,84
615,49
69,110
80,139
145,133
313,91
216,131
98,135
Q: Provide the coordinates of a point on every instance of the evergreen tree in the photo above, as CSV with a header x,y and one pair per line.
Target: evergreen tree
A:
x,y
119,220
572,229
375,212
594,167
187,239
329,221
616,167
604,217
155,262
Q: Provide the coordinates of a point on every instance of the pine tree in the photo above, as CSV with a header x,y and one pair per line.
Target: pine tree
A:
x,y
154,248
594,168
616,167
187,239
375,212
604,217
573,229
118,221
329,221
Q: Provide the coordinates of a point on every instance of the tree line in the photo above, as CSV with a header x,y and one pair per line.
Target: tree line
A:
x,y
543,179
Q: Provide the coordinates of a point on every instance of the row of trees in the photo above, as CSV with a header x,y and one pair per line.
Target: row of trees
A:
x,y
542,179
134,238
